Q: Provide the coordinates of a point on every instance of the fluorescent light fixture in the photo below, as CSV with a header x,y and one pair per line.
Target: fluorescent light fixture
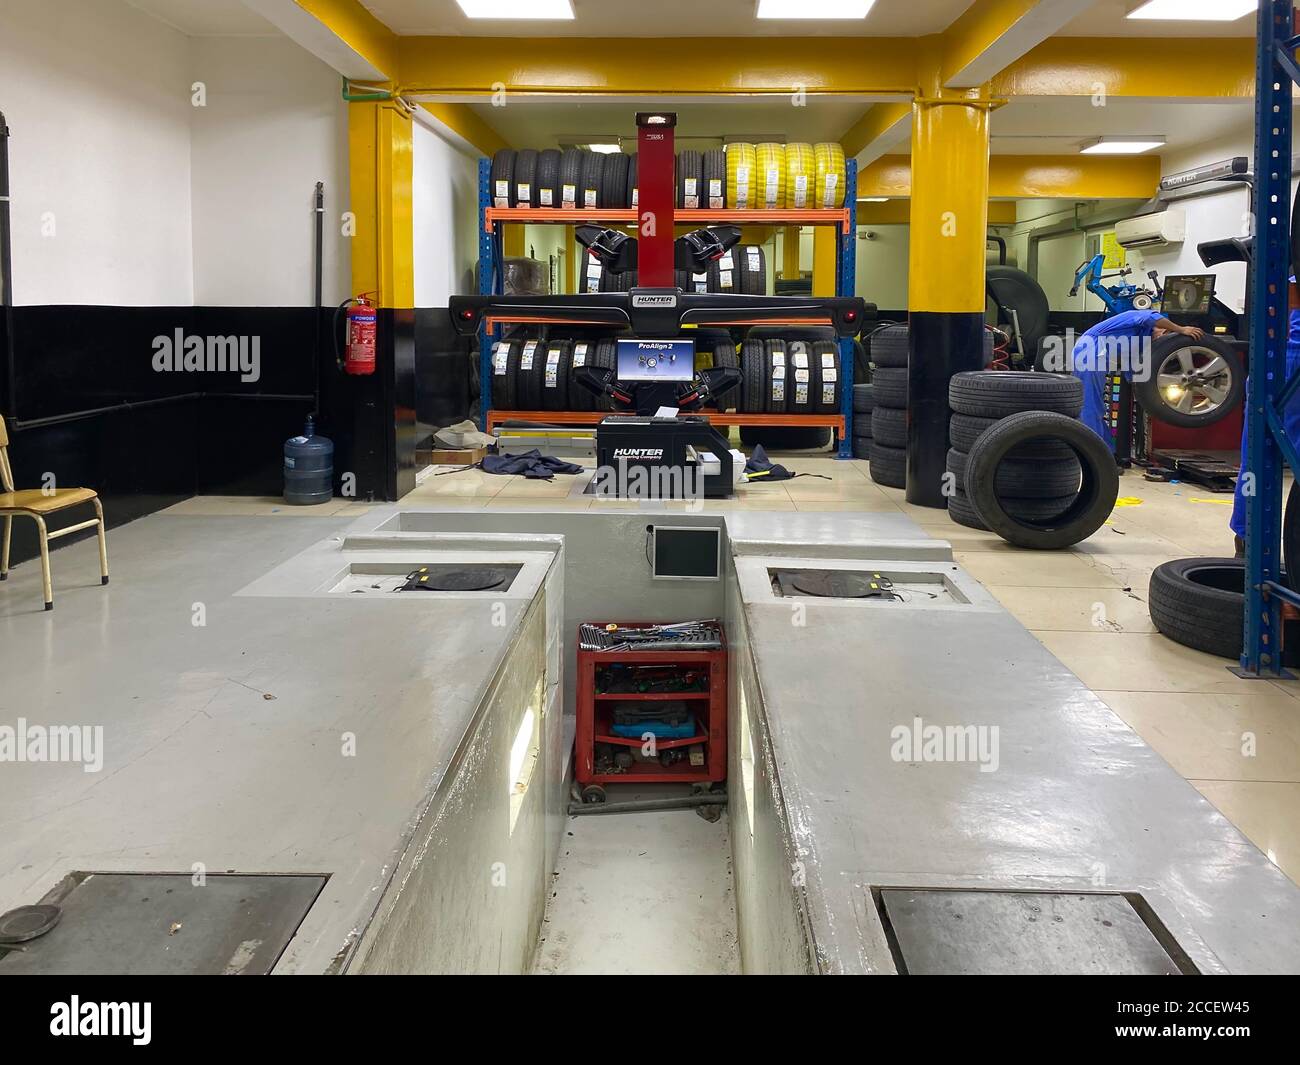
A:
x,y
1122,145
605,149
523,10
1195,10
810,9
873,199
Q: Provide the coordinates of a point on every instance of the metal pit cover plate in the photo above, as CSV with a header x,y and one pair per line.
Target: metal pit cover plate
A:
x,y
987,933
118,924
835,584
476,579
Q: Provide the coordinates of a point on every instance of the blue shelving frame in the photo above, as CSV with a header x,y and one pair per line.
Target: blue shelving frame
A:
x,y
1267,446
490,283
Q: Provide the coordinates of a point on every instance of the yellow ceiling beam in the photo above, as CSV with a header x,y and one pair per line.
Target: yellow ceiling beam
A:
x,y
466,124
899,213
1083,177
357,28
1187,68
881,128
991,34
781,66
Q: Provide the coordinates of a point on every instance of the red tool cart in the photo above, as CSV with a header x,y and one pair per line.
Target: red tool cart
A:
x,y
691,686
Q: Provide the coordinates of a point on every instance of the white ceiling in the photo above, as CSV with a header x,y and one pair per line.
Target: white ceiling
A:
x,y
208,18
668,18
1107,18
1060,126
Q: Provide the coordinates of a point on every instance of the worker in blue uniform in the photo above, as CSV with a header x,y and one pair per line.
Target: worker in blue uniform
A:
x,y
1290,425
1117,344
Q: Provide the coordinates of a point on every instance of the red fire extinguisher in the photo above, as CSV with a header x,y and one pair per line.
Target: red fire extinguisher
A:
x,y
359,334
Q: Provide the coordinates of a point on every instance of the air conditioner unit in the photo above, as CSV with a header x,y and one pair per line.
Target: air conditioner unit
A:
x,y
1153,230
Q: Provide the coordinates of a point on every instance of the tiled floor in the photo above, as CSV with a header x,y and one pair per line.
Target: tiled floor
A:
x,y
1237,741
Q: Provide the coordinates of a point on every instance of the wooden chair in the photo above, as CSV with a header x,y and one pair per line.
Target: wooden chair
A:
x,y
35,503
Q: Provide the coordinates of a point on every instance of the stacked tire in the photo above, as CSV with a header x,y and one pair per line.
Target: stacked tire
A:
x,y
863,401
1037,480
887,447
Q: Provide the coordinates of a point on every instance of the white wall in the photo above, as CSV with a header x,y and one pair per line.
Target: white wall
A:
x,y
153,201
96,95
1210,217
882,266
444,217
274,124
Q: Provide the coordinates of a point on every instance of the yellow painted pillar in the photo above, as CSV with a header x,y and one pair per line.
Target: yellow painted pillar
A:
x,y
790,253
512,242
948,230
379,146
824,261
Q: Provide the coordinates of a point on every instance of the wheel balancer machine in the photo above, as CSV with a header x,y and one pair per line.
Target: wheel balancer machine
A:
x,y
656,358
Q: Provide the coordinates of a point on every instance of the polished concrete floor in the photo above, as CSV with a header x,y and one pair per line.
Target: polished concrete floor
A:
x,y
1237,741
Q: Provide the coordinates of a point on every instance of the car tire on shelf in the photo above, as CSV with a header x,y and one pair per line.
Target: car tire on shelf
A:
x,y
593,171
714,167
690,180
605,357
614,181
889,426
633,192
505,374
888,465
571,163
1198,602
753,270
525,178
579,397
786,437
503,178
753,377
1088,510
999,393
778,376
555,375
826,377
548,178
799,377
1178,361
1026,478
532,366
891,387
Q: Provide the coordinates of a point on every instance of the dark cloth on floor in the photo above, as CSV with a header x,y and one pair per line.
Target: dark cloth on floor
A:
x,y
532,464
759,465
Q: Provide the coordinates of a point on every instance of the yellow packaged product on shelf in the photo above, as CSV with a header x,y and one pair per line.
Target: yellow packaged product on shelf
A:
x,y
769,159
831,175
741,174
800,176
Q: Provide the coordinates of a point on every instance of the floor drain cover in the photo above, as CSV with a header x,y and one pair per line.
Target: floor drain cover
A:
x,y
27,922
479,579
835,585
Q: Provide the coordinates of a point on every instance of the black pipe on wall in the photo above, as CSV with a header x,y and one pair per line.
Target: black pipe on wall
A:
x,y
6,276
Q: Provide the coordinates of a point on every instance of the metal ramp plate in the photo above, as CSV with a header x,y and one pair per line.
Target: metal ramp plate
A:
x,y
127,924
940,932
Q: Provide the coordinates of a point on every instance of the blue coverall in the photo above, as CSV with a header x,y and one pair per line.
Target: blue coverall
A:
x,y
1290,422
1123,333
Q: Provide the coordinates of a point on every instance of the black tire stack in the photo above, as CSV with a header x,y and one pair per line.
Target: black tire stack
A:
x,y
864,401
887,446
1038,479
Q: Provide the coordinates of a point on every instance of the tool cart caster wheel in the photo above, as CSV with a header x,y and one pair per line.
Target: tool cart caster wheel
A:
x,y
593,794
